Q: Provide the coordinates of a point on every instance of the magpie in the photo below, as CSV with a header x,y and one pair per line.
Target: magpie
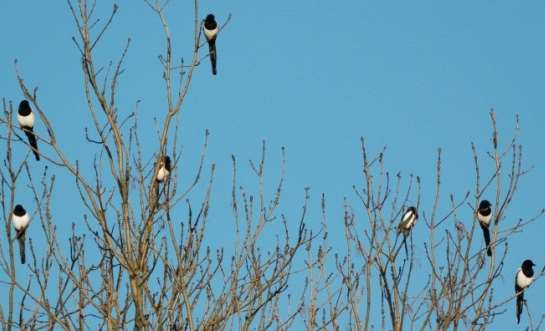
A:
x,y
164,169
408,220
484,214
20,221
525,276
25,116
211,30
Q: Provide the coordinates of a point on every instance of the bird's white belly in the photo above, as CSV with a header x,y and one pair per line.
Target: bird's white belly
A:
x,y
484,219
522,280
210,33
20,222
26,121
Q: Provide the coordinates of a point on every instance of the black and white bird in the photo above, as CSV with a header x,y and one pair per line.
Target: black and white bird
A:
x,y
20,221
211,30
408,220
525,276
164,169
484,215
25,117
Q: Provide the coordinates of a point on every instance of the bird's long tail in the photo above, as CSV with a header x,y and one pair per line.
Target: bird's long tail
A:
x,y
157,193
213,55
520,302
33,143
405,244
486,234
21,240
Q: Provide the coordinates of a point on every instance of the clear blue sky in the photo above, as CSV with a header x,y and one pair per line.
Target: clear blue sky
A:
x,y
314,77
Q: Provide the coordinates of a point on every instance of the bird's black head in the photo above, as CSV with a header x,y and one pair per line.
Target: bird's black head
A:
x,y
210,18
527,268
210,22
24,108
485,204
167,162
528,264
19,210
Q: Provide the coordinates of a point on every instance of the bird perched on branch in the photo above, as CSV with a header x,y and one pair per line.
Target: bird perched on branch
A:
x,y
20,221
523,279
162,174
25,117
408,220
164,169
211,30
484,214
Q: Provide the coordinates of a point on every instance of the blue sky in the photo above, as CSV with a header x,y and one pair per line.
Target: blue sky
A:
x,y
314,77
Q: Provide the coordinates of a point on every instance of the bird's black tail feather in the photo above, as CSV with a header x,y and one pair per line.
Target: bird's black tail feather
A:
x,y
520,302
486,234
33,143
22,249
157,192
405,244
213,55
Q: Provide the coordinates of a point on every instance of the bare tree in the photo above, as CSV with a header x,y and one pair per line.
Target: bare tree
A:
x,y
152,273
139,257
459,289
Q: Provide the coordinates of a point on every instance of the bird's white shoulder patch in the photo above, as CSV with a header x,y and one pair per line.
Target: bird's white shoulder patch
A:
x,y
409,215
26,121
162,174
